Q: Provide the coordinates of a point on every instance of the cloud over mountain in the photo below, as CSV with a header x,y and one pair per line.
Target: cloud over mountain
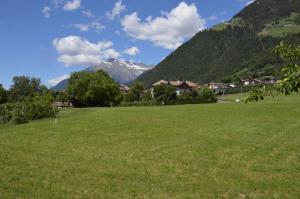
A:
x,y
133,51
75,50
169,30
55,81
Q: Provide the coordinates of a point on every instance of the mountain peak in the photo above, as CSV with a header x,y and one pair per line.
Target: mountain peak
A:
x,y
120,71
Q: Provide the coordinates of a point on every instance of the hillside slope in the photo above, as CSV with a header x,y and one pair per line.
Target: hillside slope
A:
x,y
234,49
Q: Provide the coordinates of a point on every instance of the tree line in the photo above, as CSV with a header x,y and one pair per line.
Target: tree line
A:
x,y
166,95
27,99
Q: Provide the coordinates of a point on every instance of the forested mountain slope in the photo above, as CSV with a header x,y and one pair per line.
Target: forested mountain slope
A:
x,y
239,48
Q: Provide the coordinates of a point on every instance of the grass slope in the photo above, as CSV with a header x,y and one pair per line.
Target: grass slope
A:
x,y
230,150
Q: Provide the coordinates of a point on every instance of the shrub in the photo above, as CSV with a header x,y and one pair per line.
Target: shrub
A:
x,y
93,89
163,93
40,107
20,114
135,92
3,95
141,103
147,96
36,108
5,113
206,95
183,101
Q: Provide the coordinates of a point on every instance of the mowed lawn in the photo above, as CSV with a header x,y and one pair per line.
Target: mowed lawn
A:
x,y
231,150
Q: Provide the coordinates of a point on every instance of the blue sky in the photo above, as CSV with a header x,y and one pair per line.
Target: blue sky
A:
x,y
49,39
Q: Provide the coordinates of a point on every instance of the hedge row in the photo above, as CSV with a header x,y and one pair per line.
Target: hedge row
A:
x,y
24,112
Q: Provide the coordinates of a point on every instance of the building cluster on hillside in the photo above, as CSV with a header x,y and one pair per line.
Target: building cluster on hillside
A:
x,y
180,86
218,88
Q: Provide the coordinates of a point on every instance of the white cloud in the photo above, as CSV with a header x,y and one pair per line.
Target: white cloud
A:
x,y
72,5
87,13
86,27
216,17
56,80
133,51
57,3
213,18
46,11
76,51
117,10
248,2
169,30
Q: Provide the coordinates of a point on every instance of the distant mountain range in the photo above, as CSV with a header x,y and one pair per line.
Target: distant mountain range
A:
x,y
121,71
239,48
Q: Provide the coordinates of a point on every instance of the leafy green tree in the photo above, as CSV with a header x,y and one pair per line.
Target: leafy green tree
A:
x,y
135,93
164,93
25,87
3,95
62,97
147,96
290,72
93,89
206,95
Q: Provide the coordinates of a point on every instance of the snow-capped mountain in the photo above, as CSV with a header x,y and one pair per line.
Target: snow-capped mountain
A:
x,y
120,71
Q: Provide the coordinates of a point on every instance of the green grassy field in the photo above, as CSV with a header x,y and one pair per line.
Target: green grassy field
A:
x,y
230,150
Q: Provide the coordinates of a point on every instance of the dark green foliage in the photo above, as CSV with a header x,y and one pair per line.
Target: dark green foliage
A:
x,y
40,107
20,114
29,100
255,95
93,89
217,55
164,93
24,87
147,96
184,101
135,93
206,95
62,97
3,95
141,103
290,72
264,12
5,113
188,95
35,108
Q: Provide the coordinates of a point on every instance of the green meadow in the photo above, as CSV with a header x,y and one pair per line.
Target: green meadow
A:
x,y
228,150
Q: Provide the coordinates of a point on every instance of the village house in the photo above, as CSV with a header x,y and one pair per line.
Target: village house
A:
x,y
123,88
269,79
180,86
63,105
217,88
251,82
231,85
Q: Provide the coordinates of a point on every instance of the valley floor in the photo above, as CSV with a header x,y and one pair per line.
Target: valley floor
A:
x,y
230,150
